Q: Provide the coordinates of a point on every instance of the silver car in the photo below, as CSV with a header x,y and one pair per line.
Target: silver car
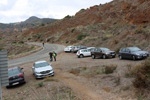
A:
x,y
84,52
42,69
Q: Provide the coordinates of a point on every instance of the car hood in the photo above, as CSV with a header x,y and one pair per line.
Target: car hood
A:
x,y
140,52
43,68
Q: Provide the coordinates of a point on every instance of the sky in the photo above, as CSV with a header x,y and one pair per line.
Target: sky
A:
x,y
19,10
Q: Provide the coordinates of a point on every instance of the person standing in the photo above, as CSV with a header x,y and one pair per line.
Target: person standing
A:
x,y
43,44
51,56
54,55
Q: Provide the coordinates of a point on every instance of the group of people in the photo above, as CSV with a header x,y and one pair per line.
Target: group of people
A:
x,y
52,55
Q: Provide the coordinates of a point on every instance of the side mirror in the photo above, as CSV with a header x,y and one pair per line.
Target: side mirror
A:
x,y
22,68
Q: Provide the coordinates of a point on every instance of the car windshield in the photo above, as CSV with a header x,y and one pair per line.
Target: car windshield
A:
x,y
105,49
13,72
43,64
134,49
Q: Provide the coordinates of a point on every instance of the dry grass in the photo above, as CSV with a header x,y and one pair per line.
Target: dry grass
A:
x,y
142,75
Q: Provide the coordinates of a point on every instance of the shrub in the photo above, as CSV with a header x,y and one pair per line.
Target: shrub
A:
x,y
110,69
29,38
41,39
116,41
48,39
145,26
21,42
141,73
117,50
81,36
1,49
139,31
75,71
68,16
82,10
73,30
42,24
40,84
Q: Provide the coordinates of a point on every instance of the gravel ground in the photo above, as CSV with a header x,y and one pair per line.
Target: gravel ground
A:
x,y
85,84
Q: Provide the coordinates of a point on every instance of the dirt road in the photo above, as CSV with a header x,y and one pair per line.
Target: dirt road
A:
x,y
83,75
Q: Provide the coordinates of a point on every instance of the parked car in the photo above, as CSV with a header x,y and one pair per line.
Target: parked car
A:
x,y
68,49
103,53
84,52
15,76
76,48
132,53
42,69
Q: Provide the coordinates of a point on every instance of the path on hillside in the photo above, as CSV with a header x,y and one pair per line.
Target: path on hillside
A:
x,y
38,55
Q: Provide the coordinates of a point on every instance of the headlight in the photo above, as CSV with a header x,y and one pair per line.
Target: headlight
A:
x,y
137,54
107,53
37,72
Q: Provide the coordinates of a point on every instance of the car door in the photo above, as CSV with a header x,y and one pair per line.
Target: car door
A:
x,y
88,52
123,53
85,52
127,54
100,53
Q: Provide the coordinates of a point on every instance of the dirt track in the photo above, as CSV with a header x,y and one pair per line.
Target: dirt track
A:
x,y
97,87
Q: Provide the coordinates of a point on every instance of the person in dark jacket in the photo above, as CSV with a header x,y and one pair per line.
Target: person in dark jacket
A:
x,y
43,44
54,55
51,56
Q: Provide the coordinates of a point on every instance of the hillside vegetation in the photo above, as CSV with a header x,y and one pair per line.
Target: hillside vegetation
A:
x,y
117,24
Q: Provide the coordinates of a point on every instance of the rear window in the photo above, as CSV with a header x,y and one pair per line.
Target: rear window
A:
x,y
13,72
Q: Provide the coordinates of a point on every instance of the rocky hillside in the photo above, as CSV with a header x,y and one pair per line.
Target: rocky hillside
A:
x,y
21,26
116,24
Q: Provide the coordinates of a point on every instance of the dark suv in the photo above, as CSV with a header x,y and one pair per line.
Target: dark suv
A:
x,y
76,48
132,53
16,76
103,53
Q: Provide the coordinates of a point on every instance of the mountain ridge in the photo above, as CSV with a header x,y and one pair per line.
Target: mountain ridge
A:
x,y
28,23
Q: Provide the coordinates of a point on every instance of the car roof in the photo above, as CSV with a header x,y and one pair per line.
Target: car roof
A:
x,y
130,47
40,61
14,68
70,46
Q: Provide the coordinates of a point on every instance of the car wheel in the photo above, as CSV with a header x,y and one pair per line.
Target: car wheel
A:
x,y
7,87
104,56
120,57
134,58
93,56
81,56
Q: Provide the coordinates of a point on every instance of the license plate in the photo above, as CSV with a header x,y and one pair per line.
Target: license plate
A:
x,y
15,83
144,55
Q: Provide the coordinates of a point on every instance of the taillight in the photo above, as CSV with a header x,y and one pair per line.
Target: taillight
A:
x,y
78,52
21,75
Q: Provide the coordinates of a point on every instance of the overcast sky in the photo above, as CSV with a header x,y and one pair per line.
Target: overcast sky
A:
x,y
19,10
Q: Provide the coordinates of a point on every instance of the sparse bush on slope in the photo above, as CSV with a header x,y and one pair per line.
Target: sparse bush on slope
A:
x,y
142,75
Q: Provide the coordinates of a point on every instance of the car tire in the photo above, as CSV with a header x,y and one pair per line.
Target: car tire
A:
x,y
104,56
7,87
93,56
81,56
114,57
120,57
134,58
